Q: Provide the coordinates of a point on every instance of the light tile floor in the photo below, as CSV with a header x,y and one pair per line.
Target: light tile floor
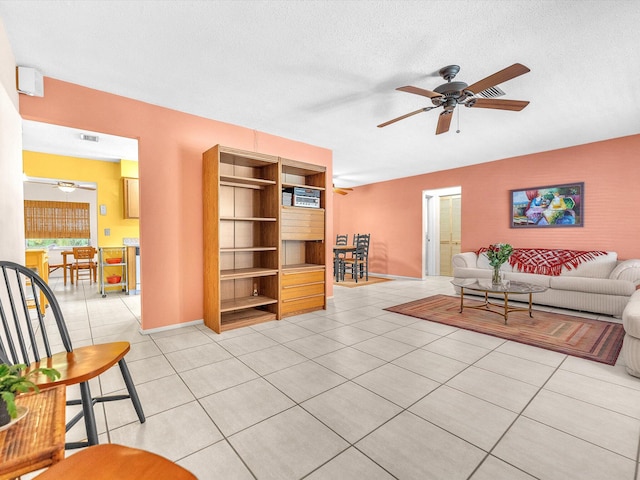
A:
x,y
355,392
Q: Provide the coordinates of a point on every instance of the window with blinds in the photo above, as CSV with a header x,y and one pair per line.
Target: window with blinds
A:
x,y
45,219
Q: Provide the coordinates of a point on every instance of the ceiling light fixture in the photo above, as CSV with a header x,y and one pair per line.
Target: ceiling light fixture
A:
x,y
67,187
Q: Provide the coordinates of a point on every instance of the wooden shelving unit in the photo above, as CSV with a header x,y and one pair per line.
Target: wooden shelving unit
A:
x,y
302,276
241,238
262,261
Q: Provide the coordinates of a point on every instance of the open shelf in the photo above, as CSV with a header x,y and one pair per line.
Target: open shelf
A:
x,y
247,249
249,219
245,302
237,181
247,273
301,185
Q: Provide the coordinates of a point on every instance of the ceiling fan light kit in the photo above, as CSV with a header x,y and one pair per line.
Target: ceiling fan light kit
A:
x,y
451,94
66,187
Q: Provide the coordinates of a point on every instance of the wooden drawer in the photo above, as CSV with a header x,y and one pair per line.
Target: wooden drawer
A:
x,y
302,223
299,291
301,278
302,304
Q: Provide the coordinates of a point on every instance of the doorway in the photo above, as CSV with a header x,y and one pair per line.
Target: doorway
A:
x,y
95,168
434,261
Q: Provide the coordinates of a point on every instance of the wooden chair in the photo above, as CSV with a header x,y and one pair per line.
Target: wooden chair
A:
x,y
358,264
26,337
110,461
342,239
339,256
83,261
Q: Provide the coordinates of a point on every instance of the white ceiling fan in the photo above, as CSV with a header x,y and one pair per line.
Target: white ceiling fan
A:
x,y
63,185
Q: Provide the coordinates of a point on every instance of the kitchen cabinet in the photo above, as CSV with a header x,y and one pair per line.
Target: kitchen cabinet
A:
x,y
131,196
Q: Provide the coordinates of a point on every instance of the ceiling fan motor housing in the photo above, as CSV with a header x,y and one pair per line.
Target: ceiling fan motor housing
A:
x,y
449,91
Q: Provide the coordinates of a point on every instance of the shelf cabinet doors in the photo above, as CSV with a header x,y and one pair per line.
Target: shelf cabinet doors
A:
x,y
131,197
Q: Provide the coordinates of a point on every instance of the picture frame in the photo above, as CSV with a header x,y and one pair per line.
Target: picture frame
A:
x,y
548,207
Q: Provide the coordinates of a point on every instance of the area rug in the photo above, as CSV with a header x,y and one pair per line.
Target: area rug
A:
x,y
351,283
596,340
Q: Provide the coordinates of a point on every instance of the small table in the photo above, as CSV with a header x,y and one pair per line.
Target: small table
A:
x,y
337,250
36,441
505,288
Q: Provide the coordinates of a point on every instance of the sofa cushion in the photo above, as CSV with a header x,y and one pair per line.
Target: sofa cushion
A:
x,y
631,316
534,278
598,267
592,285
626,270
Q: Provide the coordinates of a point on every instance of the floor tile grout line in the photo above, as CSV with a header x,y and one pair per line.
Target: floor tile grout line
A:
x,y
415,348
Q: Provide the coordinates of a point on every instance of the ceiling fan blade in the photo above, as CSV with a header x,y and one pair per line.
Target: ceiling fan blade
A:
x,y
342,190
39,182
443,122
419,91
426,109
497,78
500,104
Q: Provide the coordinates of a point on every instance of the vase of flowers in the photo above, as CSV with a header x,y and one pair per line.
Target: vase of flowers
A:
x,y
498,253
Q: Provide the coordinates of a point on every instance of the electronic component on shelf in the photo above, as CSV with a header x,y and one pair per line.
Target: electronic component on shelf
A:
x,y
306,197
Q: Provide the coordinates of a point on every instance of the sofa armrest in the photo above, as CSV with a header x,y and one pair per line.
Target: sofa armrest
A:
x,y
465,260
627,270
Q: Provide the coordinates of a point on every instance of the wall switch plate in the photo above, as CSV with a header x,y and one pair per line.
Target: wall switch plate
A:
x,y
107,232
103,209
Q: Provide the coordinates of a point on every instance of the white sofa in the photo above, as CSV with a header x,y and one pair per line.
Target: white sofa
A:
x,y
601,285
631,346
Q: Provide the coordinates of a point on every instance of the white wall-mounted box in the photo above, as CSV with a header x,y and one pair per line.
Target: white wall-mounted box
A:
x,y
29,81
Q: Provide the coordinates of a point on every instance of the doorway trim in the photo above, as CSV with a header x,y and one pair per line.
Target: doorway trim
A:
x,y
431,228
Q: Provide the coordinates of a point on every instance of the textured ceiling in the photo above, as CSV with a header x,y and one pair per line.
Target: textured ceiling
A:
x,y
324,72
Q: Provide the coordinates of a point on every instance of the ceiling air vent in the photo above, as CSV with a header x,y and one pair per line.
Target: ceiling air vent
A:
x,y
492,92
89,138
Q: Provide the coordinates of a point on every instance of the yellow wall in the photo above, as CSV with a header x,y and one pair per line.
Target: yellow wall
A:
x,y
129,168
107,177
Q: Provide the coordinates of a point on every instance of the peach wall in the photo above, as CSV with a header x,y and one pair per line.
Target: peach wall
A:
x,y
170,169
392,211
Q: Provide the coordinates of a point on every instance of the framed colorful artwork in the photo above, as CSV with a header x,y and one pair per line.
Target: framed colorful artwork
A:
x,y
550,206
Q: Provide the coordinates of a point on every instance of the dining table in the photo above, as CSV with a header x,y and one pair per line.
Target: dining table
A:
x,y
66,265
36,440
337,251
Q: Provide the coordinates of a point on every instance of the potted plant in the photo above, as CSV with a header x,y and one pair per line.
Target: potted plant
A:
x,y
12,382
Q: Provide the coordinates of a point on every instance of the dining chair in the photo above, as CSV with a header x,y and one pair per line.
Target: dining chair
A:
x,y
110,461
358,264
83,260
338,255
27,337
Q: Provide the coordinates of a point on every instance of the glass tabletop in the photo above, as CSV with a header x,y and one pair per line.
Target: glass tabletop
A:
x,y
507,286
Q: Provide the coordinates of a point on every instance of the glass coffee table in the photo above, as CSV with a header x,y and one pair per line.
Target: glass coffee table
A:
x,y
505,288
